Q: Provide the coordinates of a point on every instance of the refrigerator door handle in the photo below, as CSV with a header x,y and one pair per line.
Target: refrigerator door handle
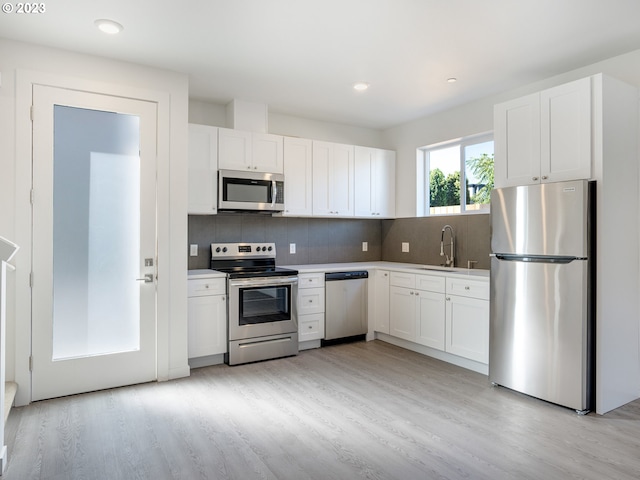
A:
x,y
535,258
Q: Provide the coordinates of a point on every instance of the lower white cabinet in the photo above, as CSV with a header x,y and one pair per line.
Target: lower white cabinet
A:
x,y
402,304
467,322
381,301
207,317
430,329
310,303
467,318
450,314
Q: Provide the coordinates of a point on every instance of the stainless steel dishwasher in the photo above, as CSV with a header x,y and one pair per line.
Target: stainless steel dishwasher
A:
x,y
345,305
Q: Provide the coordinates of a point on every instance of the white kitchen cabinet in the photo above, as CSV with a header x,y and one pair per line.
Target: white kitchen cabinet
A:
x,y
544,137
203,170
206,317
298,172
402,306
467,328
333,179
310,307
449,314
381,301
430,329
467,319
240,150
375,188
417,309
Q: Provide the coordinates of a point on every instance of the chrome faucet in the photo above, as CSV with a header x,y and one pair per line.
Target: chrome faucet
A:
x,y
449,259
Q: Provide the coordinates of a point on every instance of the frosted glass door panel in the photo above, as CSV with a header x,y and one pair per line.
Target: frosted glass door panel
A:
x,y
96,233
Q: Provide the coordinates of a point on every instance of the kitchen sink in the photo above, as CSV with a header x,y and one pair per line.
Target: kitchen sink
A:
x,y
438,269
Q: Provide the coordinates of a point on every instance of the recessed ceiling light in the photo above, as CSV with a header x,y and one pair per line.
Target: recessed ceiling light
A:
x,y
452,80
360,86
108,26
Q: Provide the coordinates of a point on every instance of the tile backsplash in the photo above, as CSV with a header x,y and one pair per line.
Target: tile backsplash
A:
x,y
318,240
329,240
472,239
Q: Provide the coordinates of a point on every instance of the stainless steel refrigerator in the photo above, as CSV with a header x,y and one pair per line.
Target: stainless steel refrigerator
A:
x,y
542,303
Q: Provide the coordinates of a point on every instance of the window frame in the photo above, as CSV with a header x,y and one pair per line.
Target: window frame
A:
x,y
462,143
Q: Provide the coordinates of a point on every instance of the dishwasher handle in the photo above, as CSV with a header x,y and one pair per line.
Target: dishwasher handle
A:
x,y
354,275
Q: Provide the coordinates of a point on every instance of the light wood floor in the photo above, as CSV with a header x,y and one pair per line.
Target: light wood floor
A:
x,y
363,410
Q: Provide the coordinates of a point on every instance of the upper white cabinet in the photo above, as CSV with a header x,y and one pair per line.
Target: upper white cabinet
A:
x,y
240,150
375,188
203,170
333,179
544,137
299,177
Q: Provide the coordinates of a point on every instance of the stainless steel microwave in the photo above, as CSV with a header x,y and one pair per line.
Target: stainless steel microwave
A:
x,y
250,191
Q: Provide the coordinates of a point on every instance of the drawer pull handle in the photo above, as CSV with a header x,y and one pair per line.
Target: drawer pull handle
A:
x,y
467,288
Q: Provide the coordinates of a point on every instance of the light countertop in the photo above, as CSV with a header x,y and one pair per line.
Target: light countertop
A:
x,y
350,266
411,267
205,273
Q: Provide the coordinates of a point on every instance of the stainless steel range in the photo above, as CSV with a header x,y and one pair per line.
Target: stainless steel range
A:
x,y
262,302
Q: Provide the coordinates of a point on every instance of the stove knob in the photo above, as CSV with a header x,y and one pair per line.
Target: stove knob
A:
x,y
264,249
270,248
218,250
224,249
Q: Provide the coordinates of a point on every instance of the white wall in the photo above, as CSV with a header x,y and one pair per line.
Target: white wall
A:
x,y
206,113
477,117
22,64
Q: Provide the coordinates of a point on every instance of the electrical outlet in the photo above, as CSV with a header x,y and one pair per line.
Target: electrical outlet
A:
x,y
292,248
405,246
193,250
365,246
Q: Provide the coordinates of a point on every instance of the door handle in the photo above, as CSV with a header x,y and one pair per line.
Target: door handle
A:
x,y
148,278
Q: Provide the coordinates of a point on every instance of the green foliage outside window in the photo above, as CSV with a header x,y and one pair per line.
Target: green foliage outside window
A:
x,y
482,169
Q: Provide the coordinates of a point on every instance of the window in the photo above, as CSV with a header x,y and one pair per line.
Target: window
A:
x,y
458,175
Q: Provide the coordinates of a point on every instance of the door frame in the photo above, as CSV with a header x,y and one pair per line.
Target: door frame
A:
x,y
170,363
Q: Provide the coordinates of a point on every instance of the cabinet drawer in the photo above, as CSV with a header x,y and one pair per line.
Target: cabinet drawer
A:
x,y
199,287
310,300
468,288
311,280
406,280
430,283
311,327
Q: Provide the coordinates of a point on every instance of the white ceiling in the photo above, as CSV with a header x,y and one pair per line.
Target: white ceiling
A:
x,y
301,57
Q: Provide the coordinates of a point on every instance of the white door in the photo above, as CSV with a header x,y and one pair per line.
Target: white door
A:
x,y
94,238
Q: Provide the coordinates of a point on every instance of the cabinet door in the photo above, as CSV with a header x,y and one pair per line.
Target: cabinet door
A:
x,y
402,313
364,195
310,300
310,327
298,174
381,302
234,149
333,179
565,113
267,153
203,170
342,180
467,328
431,319
384,183
322,153
207,325
517,141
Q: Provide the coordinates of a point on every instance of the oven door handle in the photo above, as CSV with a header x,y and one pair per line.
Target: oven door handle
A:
x,y
262,281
